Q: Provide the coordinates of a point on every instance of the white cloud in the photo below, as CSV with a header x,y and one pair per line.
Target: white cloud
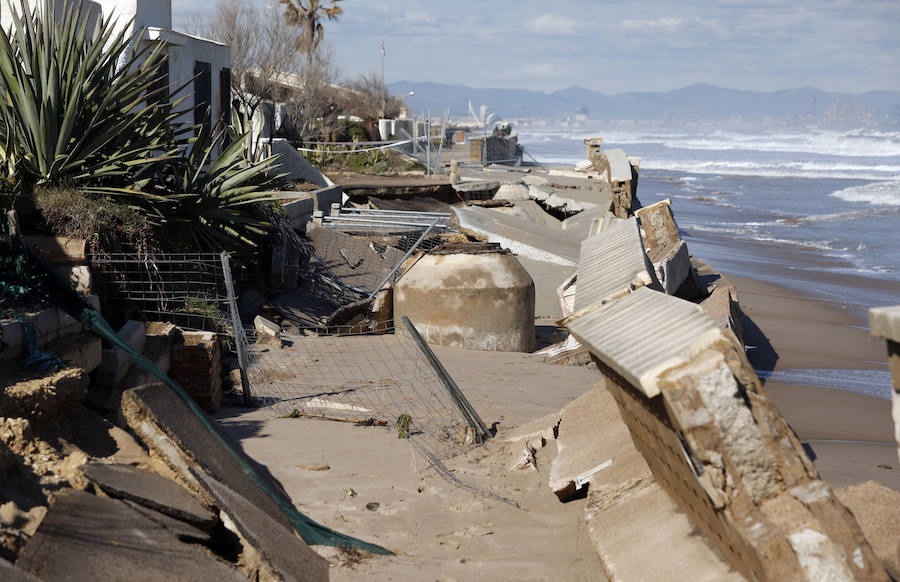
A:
x,y
665,23
552,25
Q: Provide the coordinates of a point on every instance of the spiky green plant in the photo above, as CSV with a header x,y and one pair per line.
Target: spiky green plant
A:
x,y
216,197
78,107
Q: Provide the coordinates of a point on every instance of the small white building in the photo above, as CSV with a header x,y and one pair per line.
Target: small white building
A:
x,y
204,66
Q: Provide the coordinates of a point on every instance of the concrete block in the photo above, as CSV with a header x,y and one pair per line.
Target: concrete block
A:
x,y
85,537
46,326
68,325
674,270
884,322
134,333
151,491
82,350
266,327
282,554
612,263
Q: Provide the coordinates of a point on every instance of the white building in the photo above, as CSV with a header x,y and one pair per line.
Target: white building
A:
x,y
203,65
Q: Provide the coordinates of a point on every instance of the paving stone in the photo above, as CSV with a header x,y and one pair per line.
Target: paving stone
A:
x,y
286,556
150,490
85,537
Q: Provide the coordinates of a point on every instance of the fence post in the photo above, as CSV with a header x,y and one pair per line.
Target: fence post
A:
x,y
240,340
462,403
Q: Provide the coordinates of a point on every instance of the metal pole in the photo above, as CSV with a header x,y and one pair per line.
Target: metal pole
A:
x,y
240,340
406,256
428,143
462,403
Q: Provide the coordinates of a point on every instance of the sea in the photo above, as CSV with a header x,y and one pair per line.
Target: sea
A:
x,y
811,208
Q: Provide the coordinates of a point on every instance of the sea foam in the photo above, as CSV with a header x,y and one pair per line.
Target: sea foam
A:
x,y
877,193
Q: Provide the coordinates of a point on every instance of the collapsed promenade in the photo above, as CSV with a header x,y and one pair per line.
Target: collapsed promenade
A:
x,y
638,419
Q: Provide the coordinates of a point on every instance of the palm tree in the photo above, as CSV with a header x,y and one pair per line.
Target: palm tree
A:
x,y
308,15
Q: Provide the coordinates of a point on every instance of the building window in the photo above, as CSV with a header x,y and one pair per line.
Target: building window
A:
x,y
202,92
225,95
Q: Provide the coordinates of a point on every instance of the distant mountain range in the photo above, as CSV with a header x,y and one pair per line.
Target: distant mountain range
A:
x,y
694,102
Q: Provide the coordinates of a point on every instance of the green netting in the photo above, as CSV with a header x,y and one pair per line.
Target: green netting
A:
x,y
23,276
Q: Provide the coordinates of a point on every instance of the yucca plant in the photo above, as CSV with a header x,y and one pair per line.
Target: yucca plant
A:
x,y
78,108
216,198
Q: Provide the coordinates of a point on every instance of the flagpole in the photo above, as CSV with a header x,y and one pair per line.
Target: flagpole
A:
x,y
383,85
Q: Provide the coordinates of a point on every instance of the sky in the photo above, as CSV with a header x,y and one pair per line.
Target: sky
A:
x,y
614,46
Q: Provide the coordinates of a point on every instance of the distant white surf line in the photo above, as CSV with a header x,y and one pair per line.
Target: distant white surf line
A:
x,y
876,383
876,193
813,141
790,169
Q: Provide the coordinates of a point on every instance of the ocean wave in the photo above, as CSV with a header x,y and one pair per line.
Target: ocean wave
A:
x,y
746,230
877,193
788,169
852,143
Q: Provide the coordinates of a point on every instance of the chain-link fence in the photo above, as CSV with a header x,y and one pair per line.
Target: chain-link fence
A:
x,y
188,289
372,379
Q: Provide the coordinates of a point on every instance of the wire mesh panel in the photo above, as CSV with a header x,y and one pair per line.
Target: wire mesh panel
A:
x,y
370,379
187,289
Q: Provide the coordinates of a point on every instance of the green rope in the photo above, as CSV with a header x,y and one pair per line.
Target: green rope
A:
x,y
22,273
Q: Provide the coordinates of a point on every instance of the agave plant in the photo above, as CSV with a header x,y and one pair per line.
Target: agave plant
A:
x,y
79,107
216,197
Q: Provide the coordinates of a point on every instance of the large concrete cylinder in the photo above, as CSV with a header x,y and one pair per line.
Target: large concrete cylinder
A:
x,y
471,296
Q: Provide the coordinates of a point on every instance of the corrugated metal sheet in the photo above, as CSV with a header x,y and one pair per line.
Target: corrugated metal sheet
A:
x,y
645,333
612,262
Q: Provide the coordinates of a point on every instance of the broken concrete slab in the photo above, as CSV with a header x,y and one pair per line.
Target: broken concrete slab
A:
x,y
180,529
476,189
514,192
532,211
279,552
613,262
570,200
587,222
265,326
85,537
717,444
150,490
291,162
619,166
643,517
168,427
625,335
583,440
523,237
